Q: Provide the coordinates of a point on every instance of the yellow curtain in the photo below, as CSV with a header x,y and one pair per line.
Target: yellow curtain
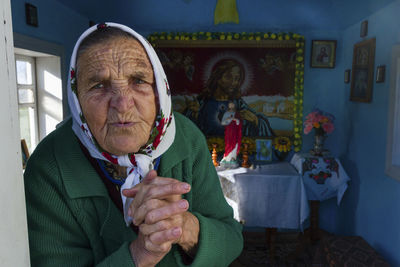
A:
x,y
225,12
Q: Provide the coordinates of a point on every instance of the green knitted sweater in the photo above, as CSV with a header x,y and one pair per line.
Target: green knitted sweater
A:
x,y
72,221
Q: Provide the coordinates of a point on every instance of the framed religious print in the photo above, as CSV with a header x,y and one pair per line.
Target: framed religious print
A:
x,y
323,54
364,28
258,77
362,74
380,74
347,76
263,150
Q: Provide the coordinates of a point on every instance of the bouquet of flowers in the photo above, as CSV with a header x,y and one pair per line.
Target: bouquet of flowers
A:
x,y
321,121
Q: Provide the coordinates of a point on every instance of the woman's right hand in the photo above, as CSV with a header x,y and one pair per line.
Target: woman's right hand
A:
x,y
148,250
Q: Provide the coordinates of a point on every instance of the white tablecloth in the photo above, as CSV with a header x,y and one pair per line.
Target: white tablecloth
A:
x,y
270,196
323,177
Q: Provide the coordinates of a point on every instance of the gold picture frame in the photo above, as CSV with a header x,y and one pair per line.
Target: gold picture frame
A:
x,y
362,73
323,54
180,50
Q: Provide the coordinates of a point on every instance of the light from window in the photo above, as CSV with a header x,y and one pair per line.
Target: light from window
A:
x,y
27,126
52,85
392,167
51,123
396,120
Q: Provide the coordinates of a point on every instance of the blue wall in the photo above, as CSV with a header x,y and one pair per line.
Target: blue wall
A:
x,y
371,207
57,23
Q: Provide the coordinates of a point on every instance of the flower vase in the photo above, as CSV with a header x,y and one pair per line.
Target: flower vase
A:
x,y
280,155
318,144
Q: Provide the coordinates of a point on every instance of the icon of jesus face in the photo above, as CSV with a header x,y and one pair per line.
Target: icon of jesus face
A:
x,y
230,80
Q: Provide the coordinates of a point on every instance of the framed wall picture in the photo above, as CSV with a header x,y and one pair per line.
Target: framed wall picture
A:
x,y
380,74
364,28
262,75
363,71
323,54
264,150
347,76
31,15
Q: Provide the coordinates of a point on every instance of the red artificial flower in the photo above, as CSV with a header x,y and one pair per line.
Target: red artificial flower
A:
x,y
72,73
110,158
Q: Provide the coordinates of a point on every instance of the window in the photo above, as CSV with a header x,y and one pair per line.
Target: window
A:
x,y
26,86
393,137
39,94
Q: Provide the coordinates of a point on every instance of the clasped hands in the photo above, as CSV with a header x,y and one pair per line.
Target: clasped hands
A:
x,y
162,217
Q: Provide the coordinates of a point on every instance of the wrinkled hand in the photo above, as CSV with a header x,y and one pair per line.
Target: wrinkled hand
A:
x,y
147,251
249,116
161,214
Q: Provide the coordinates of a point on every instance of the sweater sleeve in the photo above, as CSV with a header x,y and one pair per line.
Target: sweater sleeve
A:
x,y
220,237
56,237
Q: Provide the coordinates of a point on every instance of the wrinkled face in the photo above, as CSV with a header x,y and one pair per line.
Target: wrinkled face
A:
x,y
230,80
116,92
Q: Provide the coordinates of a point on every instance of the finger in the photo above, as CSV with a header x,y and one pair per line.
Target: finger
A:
x,y
154,248
139,215
166,191
170,193
149,179
151,175
167,236
166,211
130,192
159,180
148,229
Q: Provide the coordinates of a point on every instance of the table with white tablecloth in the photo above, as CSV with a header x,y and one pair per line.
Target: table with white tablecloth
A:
x,y
271,196
324,177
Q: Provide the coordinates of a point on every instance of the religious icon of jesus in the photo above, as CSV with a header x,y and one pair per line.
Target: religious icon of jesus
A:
x,y
233,134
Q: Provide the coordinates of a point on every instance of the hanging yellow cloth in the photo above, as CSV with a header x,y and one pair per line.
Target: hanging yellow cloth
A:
x,y
225,12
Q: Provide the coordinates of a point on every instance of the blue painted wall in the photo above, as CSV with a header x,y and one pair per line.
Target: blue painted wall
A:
x,y
57,23
371,207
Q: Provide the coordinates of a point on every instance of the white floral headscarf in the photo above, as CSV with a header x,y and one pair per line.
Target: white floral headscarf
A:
x,y
161,137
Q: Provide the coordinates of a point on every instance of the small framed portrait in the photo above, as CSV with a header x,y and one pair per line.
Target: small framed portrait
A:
x,y
362,74
364,28
31,15
347,76
264,150
323,54
380,74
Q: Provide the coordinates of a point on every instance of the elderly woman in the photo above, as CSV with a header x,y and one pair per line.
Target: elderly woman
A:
x,y
125,182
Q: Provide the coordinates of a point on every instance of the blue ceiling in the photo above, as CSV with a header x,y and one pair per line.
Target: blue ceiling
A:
x,y
272,14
